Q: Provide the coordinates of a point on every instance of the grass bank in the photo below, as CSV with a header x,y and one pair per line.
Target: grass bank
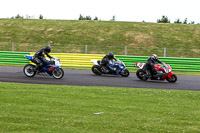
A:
x,y
50,108
71,36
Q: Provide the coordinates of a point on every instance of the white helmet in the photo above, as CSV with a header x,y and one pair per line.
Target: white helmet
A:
x,y
154,57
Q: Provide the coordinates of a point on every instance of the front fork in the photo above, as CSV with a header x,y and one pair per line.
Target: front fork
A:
x,y
170,75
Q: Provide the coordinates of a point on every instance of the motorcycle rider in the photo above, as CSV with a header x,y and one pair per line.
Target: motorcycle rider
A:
x,y
105,62
39,57
150,65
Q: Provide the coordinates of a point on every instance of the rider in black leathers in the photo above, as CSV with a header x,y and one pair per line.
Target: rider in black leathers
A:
x,y
105,62
150,65
39,57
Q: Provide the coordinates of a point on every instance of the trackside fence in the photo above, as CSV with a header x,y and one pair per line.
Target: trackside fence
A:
x,y
13,57
180,64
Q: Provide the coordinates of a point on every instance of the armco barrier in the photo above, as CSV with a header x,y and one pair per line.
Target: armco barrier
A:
x,y
76,59
13,57
181,64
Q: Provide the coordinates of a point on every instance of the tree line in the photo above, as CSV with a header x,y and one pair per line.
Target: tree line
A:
x,y
164,19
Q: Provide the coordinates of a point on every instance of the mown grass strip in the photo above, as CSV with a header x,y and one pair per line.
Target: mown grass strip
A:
x,y
51,108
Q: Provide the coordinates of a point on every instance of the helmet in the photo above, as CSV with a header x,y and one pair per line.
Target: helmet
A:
x,y
154,57
47,49
110,55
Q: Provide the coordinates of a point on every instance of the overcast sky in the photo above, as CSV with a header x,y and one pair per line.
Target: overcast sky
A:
x,y
123,10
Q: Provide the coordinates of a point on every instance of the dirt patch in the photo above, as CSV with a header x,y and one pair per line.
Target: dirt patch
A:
x,y
59,30
73,30
133,44
24,45
49,29
101,39
143,38
129,34
196,50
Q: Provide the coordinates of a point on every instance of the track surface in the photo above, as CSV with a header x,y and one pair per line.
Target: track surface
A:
x,y
87,78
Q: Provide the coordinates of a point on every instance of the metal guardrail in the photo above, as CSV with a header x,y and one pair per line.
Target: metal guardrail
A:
x,y
13,57
180,64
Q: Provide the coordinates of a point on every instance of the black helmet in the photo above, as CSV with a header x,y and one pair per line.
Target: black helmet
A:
x,y
110,55
47,49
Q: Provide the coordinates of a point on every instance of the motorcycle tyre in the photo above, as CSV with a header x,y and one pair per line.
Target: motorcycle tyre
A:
x,y
96,72
171,80
25,71
61,74
138,75
126,73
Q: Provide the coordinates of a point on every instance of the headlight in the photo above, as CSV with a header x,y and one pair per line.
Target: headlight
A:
x,y
166,70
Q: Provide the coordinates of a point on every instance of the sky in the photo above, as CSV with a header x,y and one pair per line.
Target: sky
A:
x,y
123,10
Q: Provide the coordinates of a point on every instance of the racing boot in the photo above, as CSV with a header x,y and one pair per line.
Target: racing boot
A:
x,y
156,74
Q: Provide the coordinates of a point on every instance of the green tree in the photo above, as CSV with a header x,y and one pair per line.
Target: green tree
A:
x,y
164,19
113,18
185,21
80,17
19,17
178,21
88,18
41,16
96,18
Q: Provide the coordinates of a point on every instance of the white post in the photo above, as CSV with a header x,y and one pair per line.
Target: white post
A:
x,y
86,49
125,50
13,46
164,52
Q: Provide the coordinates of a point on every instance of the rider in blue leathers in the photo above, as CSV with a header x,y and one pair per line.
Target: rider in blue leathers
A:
x,y
39,57
105,62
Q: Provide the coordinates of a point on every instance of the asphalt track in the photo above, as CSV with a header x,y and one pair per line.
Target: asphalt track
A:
x,y
87,78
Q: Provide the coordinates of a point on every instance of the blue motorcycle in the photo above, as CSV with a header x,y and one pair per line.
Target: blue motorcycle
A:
x,y
51,67
117,68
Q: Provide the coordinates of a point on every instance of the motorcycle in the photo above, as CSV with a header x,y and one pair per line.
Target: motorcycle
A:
x,y
52,68
165,73
118,68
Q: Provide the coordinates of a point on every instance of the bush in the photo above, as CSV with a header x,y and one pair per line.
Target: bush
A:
x,y
164,19
40,17
84,18
178,21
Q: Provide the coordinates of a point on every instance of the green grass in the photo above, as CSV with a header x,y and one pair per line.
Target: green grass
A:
x,y
71,36
51,108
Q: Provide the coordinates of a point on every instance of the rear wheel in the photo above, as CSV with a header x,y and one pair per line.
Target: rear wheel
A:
x,y
124,73
173,78
29,70
141,74
58,74
96,70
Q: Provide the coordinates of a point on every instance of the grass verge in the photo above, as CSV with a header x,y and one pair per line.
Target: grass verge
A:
x,y
51,108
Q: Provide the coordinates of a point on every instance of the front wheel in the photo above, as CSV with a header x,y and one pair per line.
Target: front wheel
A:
x,y
141,74
124,73
29,70
96,70
58,74
173,78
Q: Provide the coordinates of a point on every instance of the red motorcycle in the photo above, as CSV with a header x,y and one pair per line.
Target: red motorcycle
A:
x,y
165,72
